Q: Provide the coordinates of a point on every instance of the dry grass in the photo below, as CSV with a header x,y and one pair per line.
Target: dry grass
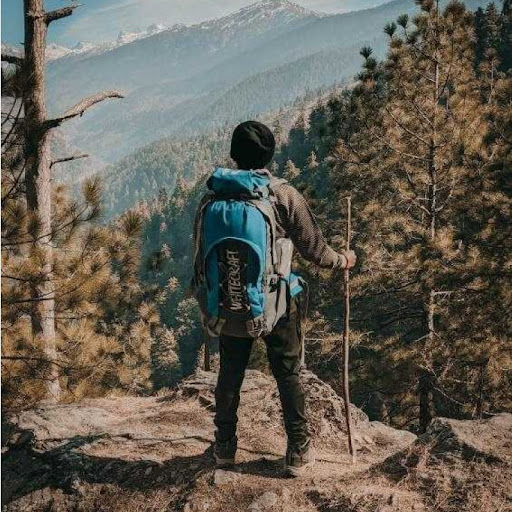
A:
x,y
154,454
450,483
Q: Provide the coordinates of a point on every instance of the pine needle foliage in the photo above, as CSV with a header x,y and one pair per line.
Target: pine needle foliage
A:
x,y
421,144
106,322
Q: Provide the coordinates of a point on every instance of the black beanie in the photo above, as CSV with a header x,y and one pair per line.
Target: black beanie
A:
x,y
252,145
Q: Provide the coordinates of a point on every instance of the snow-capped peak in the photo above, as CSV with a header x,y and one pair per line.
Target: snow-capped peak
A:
x,y
261,12
125,37
274,6
56,51
84,48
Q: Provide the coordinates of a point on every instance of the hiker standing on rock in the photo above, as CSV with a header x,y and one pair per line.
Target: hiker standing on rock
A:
x,y
245,229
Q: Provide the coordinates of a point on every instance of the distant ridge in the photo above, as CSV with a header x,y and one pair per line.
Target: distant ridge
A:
x,y
189,80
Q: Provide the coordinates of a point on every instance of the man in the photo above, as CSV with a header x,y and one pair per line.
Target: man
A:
x,y
252,148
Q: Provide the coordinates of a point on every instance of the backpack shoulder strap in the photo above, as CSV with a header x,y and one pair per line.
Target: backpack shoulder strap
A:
x,y
276,182
205,201
266,209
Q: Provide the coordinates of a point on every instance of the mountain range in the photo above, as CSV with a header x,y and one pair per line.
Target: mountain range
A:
x,y
176,80
85,49
187,81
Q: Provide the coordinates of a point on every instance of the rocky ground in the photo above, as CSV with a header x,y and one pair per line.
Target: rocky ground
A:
x,y
154,454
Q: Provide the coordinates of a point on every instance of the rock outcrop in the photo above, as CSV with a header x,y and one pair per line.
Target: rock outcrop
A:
x,y
464,465
136,454
458,441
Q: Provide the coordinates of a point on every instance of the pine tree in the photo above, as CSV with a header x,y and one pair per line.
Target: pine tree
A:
x,y
407,169
106,325
108,332
290,171
488,322
35,137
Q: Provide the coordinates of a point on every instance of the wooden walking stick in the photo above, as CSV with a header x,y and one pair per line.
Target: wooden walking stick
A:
x,y
207,367
346,336
206,362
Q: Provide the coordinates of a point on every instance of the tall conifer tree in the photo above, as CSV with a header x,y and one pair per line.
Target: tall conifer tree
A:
x,y
409,167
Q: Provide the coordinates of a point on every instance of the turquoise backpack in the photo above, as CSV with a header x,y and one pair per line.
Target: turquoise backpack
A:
x,y
243,278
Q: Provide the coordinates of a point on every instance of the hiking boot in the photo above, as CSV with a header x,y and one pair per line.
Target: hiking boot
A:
x,y
299,459
224,452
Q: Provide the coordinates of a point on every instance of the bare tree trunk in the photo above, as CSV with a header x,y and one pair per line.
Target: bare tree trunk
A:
x,y
37,128
37,156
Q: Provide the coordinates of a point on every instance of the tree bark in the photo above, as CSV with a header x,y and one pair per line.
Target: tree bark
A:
x,y
38,163
38,183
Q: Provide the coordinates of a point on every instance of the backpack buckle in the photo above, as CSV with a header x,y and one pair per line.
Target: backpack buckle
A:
x,y
273,279
215,325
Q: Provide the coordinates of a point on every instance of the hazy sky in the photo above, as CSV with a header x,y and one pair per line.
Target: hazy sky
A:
x,y
100,20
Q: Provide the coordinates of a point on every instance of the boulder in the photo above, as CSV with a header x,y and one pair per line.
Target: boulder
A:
x,y
487,439
326,409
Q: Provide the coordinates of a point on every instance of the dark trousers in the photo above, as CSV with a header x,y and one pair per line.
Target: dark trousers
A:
x,y
284,352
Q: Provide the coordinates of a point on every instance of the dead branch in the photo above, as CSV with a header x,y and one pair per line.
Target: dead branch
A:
x,y
69,159
57,14
80,108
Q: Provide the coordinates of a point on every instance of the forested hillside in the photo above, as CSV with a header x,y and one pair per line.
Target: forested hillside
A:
x,y
157,167
422,145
